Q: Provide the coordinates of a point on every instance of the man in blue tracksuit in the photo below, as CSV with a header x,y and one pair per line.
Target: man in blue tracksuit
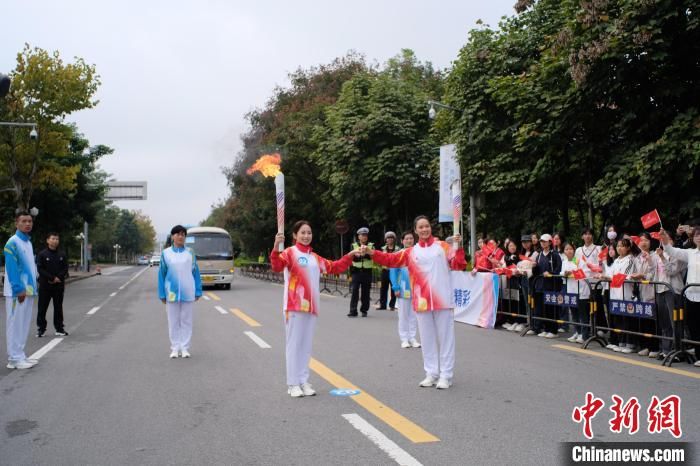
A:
x,y
19,289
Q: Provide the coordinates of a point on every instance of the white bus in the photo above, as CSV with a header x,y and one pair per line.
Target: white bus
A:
x,y
214,252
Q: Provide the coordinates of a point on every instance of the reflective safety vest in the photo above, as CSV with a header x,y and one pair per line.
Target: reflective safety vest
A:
x,y
364,262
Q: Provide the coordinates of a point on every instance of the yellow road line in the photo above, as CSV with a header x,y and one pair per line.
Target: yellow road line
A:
x,y
404,426
245,317
213,296
630,361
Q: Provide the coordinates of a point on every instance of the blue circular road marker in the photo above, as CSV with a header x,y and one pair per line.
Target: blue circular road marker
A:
x,y
344,392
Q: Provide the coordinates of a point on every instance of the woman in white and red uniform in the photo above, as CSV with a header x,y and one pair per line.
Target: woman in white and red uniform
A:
x,y
429,264
302,274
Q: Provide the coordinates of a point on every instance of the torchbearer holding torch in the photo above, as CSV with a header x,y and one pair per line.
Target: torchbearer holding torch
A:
x,y
302,274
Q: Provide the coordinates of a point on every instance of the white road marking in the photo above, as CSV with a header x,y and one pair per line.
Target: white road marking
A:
x,y
382,441
46,348
258,341
113,294
206,297
221,309
93,310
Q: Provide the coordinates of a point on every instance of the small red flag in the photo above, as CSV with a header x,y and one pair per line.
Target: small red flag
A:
x,y
603,254
650,219
498,254
656,235
594,268
617,280
579,274
636,239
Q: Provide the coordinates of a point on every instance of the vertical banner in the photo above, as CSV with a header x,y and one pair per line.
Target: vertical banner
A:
x,y
449,171
475,298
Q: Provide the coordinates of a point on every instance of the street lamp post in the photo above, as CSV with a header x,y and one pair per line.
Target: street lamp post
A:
x,y
472,198
81,237
116,253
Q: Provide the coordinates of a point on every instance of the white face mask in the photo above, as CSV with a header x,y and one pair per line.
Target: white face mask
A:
x,y
612,235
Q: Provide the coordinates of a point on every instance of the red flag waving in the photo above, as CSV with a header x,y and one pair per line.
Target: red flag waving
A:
x,y
650,219
603,254
594,268
579,274
635,239
656,235
617,280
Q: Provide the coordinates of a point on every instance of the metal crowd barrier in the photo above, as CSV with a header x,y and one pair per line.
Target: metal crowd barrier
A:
x,y
681,332
550,302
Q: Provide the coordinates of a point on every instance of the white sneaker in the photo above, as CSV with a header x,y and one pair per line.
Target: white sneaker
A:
x,y
610,346
513,328
295,391
20,365
654,354
530,332
507,326
173,355
572,338
618,349
415,343
551,335
644,352
185,354
520,327
697,363
691,351
579,340
542,334
405,344
443,384
307,390
561,330
626,350
428,382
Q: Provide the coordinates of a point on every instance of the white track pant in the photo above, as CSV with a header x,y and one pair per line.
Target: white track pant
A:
x,y
300,336
407,320
180,325
18,323
437,333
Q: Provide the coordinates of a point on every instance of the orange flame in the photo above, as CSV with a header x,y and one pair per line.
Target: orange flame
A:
x,y
268,165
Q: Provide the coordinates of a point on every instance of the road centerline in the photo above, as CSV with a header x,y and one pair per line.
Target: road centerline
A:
x,y
245,317
396,421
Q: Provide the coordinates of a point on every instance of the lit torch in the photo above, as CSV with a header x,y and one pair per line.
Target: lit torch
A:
x,y
269,165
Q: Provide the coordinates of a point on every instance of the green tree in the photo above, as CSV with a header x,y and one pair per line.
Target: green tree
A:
x,y
44,90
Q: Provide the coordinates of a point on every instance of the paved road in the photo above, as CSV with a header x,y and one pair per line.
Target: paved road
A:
x,y
108,394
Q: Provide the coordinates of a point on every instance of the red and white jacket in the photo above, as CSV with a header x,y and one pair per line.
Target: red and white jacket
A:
x,y
302,274
429,264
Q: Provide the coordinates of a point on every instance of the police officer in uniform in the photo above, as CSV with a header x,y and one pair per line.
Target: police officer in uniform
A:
x,y
361,275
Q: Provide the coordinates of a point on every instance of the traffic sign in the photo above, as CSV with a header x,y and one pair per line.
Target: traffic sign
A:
x,y
342,227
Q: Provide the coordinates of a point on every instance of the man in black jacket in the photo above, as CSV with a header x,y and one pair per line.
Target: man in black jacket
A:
x,y
52,266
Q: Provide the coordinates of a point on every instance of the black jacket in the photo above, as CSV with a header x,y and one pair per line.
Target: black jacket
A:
x,y
51,264
548,263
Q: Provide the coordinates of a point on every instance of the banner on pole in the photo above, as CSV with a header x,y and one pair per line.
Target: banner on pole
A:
x,y
449,171
475,298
